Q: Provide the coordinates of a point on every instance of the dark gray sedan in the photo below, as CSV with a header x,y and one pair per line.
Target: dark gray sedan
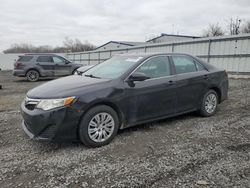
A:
x,y
123,91
34,66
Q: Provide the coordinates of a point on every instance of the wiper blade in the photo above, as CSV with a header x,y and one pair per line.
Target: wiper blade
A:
x,y
91,76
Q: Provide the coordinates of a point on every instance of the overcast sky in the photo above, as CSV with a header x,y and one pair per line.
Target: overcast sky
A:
x,y
41,22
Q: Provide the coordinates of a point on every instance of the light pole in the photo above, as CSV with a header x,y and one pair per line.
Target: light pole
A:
x,y
237,27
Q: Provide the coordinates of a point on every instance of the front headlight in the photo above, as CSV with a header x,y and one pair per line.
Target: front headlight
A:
x,y
48,104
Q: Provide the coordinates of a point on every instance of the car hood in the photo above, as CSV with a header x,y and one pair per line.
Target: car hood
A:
x,y
84,68
65,87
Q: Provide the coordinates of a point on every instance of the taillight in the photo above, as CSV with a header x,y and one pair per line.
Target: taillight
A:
x,y
18,64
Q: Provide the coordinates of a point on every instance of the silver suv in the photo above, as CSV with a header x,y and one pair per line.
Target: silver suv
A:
x,y
34,66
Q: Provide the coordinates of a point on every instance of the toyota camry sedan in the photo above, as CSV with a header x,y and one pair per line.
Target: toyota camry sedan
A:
x,y
124,91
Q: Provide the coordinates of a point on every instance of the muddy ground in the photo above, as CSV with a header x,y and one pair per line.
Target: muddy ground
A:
x,y
186,151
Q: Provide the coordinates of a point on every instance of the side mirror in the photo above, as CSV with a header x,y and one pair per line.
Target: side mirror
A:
x,y
138,76
67,62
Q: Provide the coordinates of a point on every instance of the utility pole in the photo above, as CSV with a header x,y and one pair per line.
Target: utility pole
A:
x,y
237,27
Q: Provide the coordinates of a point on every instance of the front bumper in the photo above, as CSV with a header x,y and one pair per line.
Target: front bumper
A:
x,y
31,135
53,125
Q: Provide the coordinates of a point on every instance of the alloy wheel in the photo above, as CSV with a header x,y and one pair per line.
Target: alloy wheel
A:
x,y
210,103
32,75
101,127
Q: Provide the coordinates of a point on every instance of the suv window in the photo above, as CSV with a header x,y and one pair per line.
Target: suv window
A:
x,y
25,58
44,59
156,67
184,64
57,59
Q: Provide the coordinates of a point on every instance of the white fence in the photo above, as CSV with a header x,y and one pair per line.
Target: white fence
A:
x,y
228,52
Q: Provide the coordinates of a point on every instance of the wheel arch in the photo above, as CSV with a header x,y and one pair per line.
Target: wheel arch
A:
x,y
109,104
218,91
32,69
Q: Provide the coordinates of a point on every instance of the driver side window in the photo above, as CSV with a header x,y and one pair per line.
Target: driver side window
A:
x,y
58,60
156,67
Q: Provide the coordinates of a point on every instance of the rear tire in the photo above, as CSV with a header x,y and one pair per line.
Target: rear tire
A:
x,y
32,75
209,103
98,126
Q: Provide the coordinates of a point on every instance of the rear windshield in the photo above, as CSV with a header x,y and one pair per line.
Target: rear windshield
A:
x,y
25,58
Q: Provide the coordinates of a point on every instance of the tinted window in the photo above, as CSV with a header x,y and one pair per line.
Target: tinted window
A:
x,y
200,67
57,59
183,64
113,67
25,58
156,67
44,59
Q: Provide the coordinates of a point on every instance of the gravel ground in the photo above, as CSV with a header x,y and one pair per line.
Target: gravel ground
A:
x,y
186,151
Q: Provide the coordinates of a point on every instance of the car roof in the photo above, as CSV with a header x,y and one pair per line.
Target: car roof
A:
x,y
42,54
145,55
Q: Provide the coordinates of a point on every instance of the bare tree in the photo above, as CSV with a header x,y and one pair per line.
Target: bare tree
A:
x,y
70,45
75,45
20,48
213,30
246,27
234,26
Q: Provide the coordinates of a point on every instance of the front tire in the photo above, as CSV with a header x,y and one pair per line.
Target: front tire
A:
x,y
209,103
98,126
32,75
74,72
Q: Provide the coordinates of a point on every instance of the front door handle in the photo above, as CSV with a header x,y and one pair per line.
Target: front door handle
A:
x,y
171,82
206,76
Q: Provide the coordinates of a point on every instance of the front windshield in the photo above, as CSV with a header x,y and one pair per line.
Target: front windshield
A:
x,y
113,67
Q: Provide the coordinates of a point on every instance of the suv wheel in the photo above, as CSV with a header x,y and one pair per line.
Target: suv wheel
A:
x,y
98,126
75,72
32,75
209,104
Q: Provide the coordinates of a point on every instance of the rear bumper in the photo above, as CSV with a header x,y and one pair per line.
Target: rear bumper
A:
x,y
17,72
224,90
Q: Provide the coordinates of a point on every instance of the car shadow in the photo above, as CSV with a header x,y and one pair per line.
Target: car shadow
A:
x,y
40,80
159,123
48,147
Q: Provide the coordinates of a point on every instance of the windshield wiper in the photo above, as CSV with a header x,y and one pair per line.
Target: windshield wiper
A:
x,y
91,76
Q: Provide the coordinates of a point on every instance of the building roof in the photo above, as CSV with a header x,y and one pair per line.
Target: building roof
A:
x,y
128,43
172,35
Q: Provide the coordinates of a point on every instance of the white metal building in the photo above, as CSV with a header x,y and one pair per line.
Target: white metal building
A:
x,y
227,52
117,44
170,38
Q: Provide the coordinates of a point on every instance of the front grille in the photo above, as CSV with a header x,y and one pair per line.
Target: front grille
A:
x,y
31,103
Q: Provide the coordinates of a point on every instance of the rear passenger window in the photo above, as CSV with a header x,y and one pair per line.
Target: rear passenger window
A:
x,y
184,64
24,58
44,59
156,67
